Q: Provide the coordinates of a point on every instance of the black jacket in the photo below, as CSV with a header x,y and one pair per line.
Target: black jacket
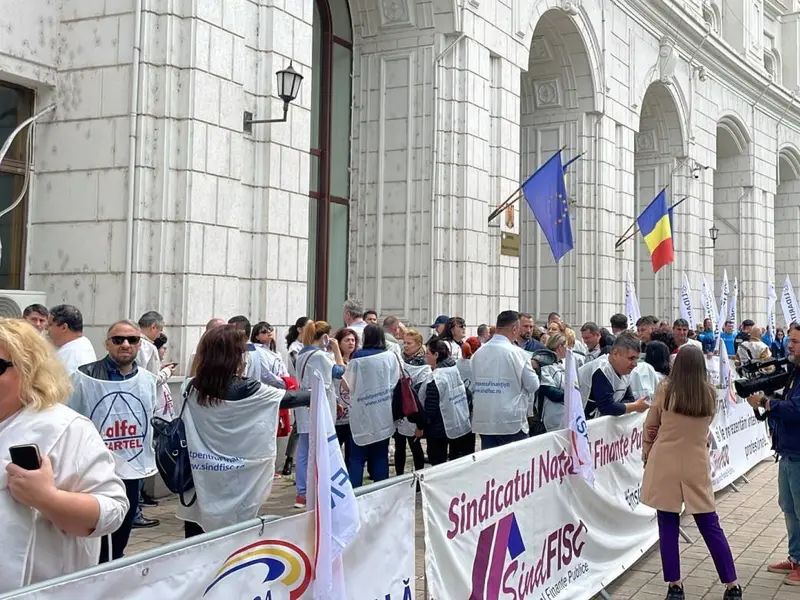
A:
x,y
434,425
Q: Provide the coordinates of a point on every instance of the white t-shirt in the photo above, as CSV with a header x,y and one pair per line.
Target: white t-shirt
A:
x,y
359,327
76,353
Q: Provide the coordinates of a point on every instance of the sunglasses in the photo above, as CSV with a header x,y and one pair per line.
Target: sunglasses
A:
x,y
118,340
5,365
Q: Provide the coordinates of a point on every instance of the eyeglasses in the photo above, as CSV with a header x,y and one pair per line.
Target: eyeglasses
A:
x,y
118,340
5,365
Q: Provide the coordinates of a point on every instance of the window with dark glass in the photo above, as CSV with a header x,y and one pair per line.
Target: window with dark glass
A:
x,y
15,106
329,203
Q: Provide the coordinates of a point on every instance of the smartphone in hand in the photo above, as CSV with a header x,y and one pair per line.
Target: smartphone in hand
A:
x,y
26,456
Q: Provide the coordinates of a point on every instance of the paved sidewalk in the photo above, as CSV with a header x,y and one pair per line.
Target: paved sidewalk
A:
x,y
757,534
751,519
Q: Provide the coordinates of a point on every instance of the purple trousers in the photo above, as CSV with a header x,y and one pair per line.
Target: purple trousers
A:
x,y
714,537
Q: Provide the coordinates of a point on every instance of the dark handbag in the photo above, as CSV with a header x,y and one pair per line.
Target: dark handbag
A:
x,y
172,454
404,400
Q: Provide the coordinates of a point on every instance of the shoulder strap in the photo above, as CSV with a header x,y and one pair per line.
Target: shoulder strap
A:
x,y
305,364
403,372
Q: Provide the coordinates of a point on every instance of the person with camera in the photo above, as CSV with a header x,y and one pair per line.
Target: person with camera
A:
x,y
783,414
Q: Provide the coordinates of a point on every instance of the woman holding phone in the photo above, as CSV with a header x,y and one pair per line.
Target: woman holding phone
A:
x,y
59,493
320,353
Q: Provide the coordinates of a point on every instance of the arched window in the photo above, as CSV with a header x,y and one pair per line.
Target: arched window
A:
x,y
15,106
329,210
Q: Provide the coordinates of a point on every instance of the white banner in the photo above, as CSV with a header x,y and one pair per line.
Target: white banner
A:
x,y
740,440
722,316
485,534
276,564
734,317
709,306
687,312
631,303
772,299
789,303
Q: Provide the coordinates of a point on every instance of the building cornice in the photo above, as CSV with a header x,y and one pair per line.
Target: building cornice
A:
x,y
720,59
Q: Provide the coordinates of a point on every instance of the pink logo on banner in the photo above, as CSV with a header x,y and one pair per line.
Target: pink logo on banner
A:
x,y
490,557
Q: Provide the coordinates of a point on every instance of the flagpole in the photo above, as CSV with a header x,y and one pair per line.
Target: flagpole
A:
x,y
620,241
516,194
632,235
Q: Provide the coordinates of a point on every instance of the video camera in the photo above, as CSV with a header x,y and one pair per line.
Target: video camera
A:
x,y
757,380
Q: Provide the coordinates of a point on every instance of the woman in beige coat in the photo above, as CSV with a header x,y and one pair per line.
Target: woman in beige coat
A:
x,y
678,470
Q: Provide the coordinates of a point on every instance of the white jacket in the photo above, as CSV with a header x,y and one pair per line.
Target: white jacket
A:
x,y
34,549
503,388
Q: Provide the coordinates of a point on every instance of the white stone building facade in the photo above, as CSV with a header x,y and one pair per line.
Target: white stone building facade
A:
x,y
416,119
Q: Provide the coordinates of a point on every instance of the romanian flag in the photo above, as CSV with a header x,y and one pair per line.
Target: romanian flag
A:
x,y
656,228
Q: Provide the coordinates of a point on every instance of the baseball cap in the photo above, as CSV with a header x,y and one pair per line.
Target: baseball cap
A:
x,y
440,320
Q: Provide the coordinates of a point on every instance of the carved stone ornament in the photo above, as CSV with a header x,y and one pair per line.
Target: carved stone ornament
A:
x,y
646,141
571,7
667,60
548,93
395,11
540,49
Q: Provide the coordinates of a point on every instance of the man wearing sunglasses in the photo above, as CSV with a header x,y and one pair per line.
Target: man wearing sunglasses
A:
x,y
119,398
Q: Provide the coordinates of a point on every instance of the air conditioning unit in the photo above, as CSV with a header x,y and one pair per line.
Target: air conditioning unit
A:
x,y
13,302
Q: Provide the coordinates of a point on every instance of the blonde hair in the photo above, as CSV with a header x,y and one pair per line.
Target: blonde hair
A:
x,y
569,334
556,340
414,335
313,331
43,382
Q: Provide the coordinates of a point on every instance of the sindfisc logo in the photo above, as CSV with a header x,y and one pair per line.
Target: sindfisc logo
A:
x,y
495,575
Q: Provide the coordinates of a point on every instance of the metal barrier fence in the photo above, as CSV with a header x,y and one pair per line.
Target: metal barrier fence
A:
x,y
183,544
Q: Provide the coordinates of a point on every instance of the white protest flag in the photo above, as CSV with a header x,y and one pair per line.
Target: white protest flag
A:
x,y
734,318
687,312
576,422
631,303
772,299
709,305
725,372
789,302
336,521
723,302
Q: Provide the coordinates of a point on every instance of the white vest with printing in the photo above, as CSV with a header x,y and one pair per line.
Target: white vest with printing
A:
x,y
500,404
620,383
232,449
308,362
371,380
121,411
585,374
452,401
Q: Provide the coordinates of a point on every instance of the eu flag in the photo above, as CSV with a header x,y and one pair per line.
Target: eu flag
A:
x,y
546,194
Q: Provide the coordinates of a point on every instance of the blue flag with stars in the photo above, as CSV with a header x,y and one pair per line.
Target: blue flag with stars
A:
x,y
546,194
